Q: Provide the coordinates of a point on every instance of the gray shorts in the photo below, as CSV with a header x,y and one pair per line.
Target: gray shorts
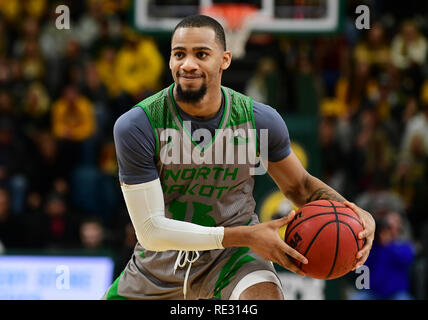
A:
x,y
150,275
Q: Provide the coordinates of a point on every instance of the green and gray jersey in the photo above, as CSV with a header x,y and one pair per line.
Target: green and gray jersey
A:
x,y
208,183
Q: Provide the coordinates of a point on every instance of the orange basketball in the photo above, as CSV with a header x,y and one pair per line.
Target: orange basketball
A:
x,y
326,233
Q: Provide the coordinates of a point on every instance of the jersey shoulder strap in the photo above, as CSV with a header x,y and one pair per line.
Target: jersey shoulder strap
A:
x,y
241,108
158,113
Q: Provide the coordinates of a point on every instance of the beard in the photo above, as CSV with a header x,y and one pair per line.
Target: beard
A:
x,y
191,96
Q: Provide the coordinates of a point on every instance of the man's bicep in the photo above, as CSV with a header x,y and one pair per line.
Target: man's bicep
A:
x,y
135,147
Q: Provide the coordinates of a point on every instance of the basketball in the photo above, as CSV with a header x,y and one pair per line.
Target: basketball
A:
x,y
326,233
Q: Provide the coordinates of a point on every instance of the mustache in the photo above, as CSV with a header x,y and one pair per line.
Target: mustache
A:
x,y
190,74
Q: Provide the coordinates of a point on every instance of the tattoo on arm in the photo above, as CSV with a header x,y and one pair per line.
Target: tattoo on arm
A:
x,y
325,194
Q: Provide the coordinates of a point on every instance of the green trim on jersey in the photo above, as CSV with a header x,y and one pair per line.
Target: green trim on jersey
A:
x,y
158,113
112,292
154,131
253,122
230,269
227,272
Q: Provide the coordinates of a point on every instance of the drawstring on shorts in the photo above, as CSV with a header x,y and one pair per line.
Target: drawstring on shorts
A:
x,y
180,262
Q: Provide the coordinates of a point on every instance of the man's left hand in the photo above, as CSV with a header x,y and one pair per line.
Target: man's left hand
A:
x,y
369,226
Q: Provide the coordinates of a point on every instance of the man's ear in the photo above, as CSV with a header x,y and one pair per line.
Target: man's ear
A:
x,y
227,60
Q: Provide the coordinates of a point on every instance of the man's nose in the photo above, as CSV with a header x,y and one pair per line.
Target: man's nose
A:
x,y
189,64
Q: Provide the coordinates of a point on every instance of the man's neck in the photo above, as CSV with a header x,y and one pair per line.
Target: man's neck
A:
x,y
207,107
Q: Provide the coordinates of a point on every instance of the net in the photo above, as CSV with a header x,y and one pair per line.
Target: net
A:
x,y
235,18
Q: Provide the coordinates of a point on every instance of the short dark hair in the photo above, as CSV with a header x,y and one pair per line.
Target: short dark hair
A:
x,y
199,21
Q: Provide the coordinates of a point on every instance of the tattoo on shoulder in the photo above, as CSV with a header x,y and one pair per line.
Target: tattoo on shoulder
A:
x,y
325,194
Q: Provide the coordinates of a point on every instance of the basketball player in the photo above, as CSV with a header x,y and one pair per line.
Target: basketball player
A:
x,y
198,235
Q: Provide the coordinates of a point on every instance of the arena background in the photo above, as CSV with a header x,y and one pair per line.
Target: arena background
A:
x,y
355,101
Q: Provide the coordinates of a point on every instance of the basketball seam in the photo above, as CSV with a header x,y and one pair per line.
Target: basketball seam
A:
x,y
337,241
288,231
322,206
353,233
313,239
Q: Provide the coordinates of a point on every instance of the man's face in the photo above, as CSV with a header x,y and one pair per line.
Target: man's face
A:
x,y
197,61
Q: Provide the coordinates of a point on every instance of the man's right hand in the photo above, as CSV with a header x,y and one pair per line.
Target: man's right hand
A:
x,y
264,240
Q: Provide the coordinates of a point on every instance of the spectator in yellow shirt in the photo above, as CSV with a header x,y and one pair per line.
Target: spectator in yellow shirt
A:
x,y
73,116
13,10
139,65
374,50
409,55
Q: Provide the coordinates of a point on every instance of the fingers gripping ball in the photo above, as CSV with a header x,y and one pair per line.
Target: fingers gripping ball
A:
x,y
326,233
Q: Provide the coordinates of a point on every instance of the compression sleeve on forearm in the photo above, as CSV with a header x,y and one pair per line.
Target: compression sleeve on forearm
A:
x,y
156,232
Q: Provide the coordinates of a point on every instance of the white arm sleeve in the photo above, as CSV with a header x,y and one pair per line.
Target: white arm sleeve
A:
x,y
155,232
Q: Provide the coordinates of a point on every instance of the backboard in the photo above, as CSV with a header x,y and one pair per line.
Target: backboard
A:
x,y
274,16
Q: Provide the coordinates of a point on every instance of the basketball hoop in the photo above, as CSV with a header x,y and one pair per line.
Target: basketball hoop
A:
x,y
235,18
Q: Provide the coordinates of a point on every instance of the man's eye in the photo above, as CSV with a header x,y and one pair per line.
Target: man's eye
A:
x,y
178,55
202,55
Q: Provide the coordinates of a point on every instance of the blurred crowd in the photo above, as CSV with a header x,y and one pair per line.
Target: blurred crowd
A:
x,y
61,91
